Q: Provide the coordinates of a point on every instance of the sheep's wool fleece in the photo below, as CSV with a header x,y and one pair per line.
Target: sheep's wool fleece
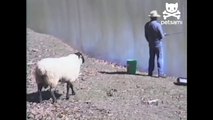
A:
x,y
54,69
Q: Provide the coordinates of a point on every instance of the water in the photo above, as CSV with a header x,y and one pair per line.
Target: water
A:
x,y
111,29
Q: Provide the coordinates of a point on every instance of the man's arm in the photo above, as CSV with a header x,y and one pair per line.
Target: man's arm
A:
x,y
160,30
146,33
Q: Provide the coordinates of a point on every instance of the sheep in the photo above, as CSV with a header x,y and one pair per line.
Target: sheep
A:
x,y
50,71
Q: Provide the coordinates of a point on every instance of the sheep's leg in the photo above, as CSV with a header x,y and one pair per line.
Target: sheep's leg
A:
x,y
71,86
39,92
53,95
68,87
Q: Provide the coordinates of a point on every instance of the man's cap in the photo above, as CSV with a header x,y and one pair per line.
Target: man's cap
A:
x,y
154,13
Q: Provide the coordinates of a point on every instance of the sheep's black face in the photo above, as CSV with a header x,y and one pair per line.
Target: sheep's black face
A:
x,y
80,56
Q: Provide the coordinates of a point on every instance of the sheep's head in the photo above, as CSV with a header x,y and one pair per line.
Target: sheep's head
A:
x,y
80,56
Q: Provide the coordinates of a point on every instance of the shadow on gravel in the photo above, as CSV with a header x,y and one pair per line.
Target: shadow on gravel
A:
x,y
33,97
120,72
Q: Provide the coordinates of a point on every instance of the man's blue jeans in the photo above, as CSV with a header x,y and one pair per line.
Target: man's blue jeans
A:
x,y
155,51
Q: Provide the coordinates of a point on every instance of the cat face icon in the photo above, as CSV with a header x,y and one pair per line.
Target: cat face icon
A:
x,y
171,8
171,11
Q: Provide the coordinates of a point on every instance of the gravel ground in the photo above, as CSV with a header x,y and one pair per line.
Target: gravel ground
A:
x,y
103,91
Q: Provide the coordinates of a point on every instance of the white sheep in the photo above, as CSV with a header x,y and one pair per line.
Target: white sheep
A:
x,y
50,71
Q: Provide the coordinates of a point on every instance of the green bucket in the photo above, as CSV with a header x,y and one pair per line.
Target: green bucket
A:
x,y
131,66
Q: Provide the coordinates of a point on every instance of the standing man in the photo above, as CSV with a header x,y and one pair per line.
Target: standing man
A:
x,y
154,35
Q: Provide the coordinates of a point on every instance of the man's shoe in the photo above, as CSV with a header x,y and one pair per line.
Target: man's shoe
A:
x,y
162,76
149,74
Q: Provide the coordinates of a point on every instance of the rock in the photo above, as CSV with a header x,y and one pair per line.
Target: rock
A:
x,y
153,102
35,50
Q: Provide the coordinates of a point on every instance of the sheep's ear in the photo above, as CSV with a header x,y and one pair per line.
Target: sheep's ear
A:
x,y
80,56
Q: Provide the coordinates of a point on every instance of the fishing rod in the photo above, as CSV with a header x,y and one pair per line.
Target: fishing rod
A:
x,y
168,34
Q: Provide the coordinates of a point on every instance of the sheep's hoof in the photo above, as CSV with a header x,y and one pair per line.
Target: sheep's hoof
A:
x,y
67,98
54,102
73,93
40,101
